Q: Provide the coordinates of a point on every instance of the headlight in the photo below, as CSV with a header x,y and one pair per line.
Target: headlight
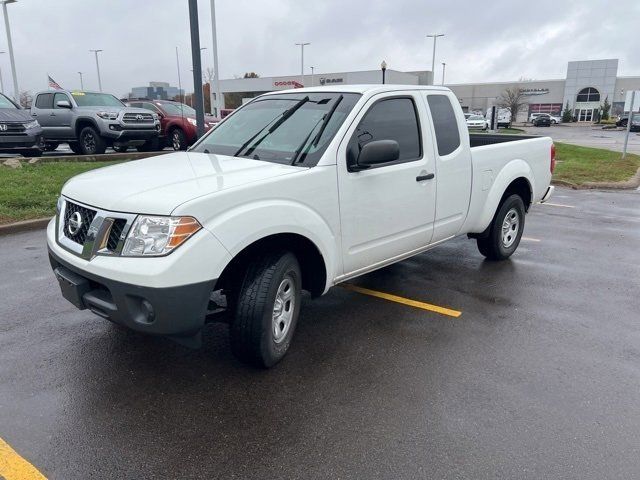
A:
x,y
32,124
192,121
156,236
108,115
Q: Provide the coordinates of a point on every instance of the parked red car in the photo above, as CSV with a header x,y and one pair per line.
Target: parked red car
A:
x,y
177,122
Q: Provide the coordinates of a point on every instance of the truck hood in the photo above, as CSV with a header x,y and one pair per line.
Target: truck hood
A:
x,y
157,185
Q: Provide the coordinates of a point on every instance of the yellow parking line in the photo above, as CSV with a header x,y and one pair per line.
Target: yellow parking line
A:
x,y
529,239
402,300
558,205
14,467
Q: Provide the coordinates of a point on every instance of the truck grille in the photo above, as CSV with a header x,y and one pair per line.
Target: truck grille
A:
x,y
74,230
114,234
12,129
137,118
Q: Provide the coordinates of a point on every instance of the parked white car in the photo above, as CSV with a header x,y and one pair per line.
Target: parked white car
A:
x,y
477,122
503,117
554,118
296,190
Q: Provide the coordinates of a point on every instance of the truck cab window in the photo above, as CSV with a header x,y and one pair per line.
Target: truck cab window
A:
x,y
58,97
44,100
445,124
390,119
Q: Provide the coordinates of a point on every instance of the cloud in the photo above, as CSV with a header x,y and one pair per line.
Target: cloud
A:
x,y
498,40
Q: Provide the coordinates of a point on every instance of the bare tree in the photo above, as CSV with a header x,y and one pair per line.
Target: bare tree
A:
x,y
25,99
513,99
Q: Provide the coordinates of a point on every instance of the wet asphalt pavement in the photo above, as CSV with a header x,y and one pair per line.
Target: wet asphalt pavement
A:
x,y
538,378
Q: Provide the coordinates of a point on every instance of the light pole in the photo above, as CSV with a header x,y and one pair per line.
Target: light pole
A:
x,y
216,79
383,67
433,58
1,81
444,65
202,82
194,27
98,68
16,91
302,44
312,76
81,82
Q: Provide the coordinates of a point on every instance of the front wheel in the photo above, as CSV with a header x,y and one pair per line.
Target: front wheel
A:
x,y
505,230
266,309
178,139
91,143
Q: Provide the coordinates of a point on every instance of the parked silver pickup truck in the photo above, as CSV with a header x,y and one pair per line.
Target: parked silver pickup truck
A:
x,y
90,122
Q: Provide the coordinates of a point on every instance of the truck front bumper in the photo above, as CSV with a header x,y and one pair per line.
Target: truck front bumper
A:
x,y
125,134
172,311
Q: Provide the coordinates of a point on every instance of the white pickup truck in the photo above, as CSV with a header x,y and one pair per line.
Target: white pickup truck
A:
x,y
296,190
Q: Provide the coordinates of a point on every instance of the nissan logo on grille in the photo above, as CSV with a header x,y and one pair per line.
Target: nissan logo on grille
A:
x,y
3,127
74,224
139,117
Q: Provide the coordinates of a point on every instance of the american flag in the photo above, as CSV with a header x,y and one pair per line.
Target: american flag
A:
x,y
54,84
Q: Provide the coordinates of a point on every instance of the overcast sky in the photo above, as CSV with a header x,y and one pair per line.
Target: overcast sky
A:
x,y
485,41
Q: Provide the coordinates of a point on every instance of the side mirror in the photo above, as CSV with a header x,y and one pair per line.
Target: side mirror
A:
x,y
63,104
377,152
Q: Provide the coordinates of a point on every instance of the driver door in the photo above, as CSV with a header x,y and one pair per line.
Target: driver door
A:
x,y
387,211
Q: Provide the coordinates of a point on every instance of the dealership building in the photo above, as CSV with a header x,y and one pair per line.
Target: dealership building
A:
x,y
585,87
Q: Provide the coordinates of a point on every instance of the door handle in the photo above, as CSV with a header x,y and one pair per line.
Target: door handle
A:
x,y
428,176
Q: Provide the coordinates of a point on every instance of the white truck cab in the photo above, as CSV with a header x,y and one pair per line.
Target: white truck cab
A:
x,y
301,189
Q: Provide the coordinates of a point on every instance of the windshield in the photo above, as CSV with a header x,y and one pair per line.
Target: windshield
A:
x,y
6,103
86,99
178,109
476,117
285,128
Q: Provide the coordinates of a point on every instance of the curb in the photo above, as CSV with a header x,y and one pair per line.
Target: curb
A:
x,y
24,226
631,184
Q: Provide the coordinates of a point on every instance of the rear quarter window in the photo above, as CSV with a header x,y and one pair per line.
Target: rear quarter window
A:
x,y
44,100
445,124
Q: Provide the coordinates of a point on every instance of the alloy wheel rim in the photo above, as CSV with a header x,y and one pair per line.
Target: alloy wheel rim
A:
x,y
176,141
89,142
510,228
283,308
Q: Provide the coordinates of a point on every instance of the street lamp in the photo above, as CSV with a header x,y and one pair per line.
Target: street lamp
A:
x,y
444,65
383,67
81,82
216,80
16,91
312,76
302,44
1,81
98,68
433,58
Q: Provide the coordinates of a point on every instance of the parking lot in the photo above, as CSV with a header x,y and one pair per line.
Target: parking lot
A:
x,y
537,378
589,136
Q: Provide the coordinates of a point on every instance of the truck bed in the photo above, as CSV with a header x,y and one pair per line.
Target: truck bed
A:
x,y
481,139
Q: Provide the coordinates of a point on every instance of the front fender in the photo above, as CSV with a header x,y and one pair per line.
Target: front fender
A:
x,y
239,227
513,170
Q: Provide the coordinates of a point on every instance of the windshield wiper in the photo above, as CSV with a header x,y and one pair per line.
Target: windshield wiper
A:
x,y
325,121
283,118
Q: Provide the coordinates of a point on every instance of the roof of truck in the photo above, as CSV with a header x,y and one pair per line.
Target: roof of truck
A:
x,y
375,88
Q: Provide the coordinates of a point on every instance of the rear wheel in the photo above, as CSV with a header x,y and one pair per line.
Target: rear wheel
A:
x,y
91,143
267,306
75,147
505,230
152,145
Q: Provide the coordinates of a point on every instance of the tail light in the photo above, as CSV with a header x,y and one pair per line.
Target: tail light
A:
x,y
552,167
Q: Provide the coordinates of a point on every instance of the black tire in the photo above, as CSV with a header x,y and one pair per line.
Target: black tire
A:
x,y
253,331
177,139
51,146
91,143
75,147
36,152
152,145
121,148
496,246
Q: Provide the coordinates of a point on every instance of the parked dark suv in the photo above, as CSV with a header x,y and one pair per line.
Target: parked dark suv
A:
x,y
177,121
19,132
